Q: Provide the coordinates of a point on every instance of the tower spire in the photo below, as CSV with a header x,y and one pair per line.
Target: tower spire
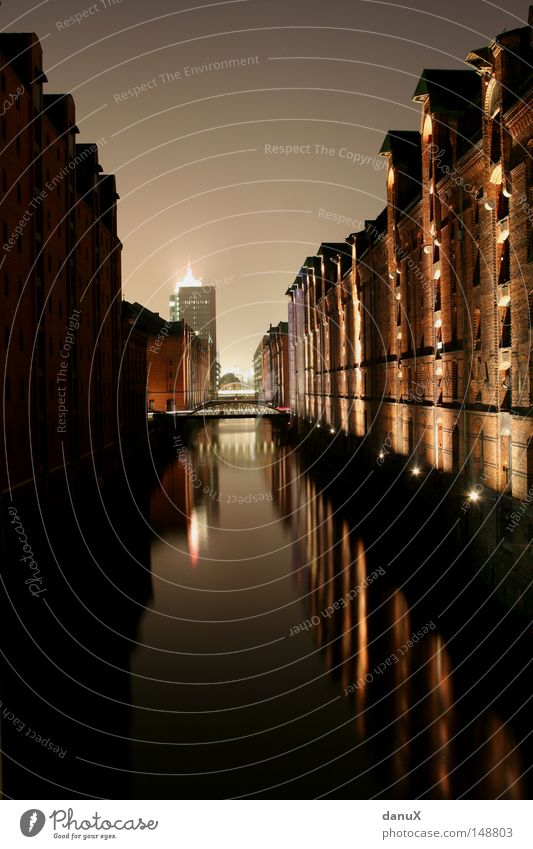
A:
x,y
189,279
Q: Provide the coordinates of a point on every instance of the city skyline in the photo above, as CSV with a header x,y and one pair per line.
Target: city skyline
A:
x,y
211,91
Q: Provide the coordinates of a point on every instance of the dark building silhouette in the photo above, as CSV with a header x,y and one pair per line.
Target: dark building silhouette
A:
x,y
133,372
61,281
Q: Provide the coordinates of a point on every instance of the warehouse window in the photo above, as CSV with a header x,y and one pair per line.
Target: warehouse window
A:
x,y
455,381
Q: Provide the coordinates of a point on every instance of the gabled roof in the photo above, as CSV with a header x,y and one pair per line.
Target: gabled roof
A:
x,y
297,282
17,47
151,322
481,59
399,141
281,328
448,90
312,262
60,110
327,248
377,226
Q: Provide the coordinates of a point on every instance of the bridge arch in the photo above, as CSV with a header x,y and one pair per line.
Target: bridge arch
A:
x,y
235,407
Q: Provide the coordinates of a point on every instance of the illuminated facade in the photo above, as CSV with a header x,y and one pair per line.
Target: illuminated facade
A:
x,y
177,363
416,334
296,356
258,370
271,366
195,302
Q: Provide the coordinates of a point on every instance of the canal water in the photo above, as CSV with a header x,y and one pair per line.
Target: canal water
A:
x,y
263,627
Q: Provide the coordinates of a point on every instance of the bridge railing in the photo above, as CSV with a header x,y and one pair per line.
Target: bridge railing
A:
x,y
222,407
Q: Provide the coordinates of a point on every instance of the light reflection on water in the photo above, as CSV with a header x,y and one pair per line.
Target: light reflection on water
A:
x,y
247,548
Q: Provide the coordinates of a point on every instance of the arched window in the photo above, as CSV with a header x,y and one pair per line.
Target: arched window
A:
x,y
529,464
503,206
455,381
476,328
492,109
492,99
476,449
439,447
455,448
504,270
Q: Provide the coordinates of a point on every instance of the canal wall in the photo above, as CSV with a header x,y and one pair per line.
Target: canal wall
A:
x,y
478,533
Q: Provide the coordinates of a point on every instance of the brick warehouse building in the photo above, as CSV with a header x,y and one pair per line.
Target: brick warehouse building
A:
x,y
416,334
61,280
177,363
74,369
271,366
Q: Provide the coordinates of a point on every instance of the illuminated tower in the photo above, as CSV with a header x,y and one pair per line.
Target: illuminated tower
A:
x,y
195,302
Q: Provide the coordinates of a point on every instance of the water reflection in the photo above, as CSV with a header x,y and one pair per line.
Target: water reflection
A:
x,y
250,633
229,704
425,736
269,566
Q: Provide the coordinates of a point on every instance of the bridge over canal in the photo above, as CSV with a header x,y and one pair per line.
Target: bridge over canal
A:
x,y
235,407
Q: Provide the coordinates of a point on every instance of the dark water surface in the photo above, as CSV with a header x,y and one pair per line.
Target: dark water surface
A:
x,y
257,630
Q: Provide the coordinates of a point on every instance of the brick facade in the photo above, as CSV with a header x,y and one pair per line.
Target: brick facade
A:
x,y
177,363
61,281
272,356
417,333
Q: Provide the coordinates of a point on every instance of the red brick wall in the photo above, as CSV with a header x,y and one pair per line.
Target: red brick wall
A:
x,y
442,331
64,250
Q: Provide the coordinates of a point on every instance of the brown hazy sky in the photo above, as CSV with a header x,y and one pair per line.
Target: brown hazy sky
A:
x,y
189,152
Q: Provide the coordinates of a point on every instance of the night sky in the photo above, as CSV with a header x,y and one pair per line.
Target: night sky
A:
x,y
189,151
